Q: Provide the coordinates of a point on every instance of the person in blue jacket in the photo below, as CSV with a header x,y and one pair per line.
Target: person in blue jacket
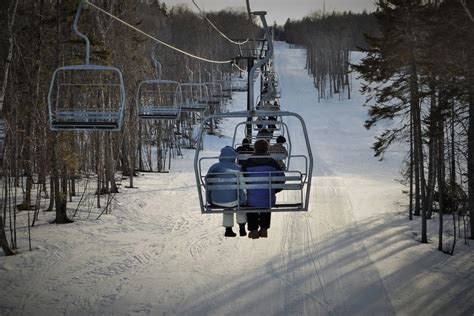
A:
x,y
226,168
260,164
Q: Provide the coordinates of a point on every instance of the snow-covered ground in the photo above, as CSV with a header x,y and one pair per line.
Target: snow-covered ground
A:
x,y
354,252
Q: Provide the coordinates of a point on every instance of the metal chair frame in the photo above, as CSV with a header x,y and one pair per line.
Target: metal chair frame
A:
x,y
160,112
90,118
302,182
194,102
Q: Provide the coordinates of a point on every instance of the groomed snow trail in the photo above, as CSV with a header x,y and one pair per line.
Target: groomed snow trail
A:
x,y
156,254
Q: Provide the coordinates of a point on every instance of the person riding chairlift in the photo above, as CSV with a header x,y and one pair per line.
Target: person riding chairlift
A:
x,y
227,169
260,165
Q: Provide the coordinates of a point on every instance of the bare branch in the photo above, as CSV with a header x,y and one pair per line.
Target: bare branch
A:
x,y
468,12
11,22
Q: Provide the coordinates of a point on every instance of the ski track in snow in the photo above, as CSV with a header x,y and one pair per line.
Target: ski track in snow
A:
x,y
157,255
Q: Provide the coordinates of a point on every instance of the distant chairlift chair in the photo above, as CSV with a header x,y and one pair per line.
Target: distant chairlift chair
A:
x,y
159,99
192,96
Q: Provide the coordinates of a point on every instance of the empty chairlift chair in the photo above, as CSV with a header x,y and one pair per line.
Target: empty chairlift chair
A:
x,y
159,99
86,97
215,91
238,83
192,97
215,99
226,84
203,98
268,104
226,88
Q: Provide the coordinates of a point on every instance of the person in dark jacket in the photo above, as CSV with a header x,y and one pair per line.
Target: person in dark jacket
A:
x,y
265,134
279,152
260,164
226,168
244,151
272,127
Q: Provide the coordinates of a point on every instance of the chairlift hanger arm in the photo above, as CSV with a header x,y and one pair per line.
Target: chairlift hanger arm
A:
x,y
79,33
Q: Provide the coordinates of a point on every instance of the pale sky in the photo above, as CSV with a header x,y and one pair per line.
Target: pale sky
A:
x,y
280,10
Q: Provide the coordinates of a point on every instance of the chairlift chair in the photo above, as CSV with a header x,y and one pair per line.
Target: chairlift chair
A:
x,y
215,90
159,99
226,88
271,123
238,83
225,82
296,181
257,124
267,104
193,100
86,97
204,97
215,98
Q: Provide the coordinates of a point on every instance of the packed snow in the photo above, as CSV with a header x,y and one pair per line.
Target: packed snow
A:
x,y
353,252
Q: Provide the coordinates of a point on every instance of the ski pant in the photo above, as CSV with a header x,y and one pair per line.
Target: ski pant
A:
x,y
259,219
228,219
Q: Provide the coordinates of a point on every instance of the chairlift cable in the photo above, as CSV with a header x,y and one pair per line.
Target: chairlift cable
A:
x,y
240,69
155,39
216,28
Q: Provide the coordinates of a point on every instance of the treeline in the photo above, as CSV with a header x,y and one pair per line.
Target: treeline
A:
x,y
329,40
420,75
38,39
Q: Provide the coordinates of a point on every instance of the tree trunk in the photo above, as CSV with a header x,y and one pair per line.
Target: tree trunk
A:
x,y
51,194
453,177
11,22
131,160
60,201
416,164
470,145
432,150
410,204
441,179
109,165
3,239
415,105
140,144
59,198
35,98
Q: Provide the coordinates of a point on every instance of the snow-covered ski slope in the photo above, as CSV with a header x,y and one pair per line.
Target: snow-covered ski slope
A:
x,y
352,253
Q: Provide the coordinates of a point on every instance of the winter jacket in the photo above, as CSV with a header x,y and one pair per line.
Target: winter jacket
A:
x,y
226,168
244,151
265,134
279,152
262,167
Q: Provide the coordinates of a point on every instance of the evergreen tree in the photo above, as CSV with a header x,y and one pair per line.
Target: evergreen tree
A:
x,y
392,70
